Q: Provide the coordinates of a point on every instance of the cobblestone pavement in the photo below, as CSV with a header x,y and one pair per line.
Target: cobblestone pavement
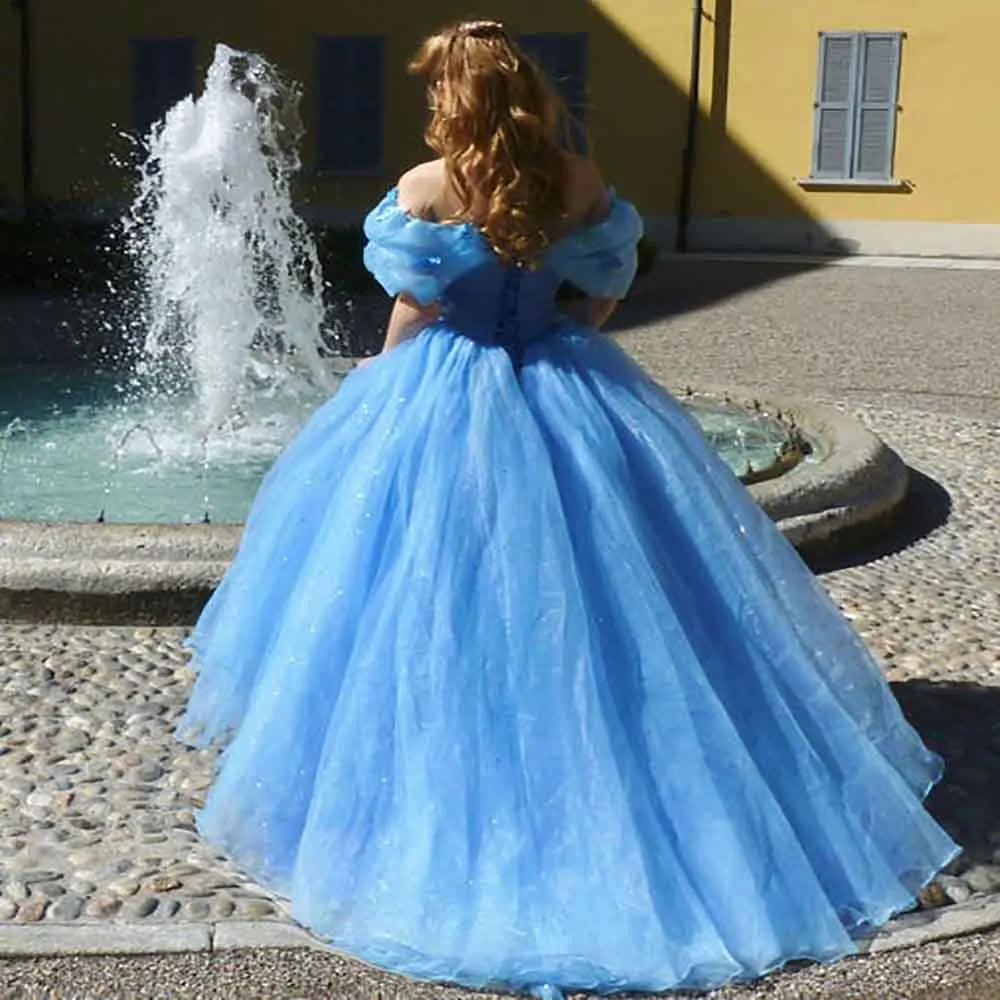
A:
x,y
95,795
96,799
930,610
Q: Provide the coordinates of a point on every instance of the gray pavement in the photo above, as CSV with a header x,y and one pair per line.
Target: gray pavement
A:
x,y
96,799
911,338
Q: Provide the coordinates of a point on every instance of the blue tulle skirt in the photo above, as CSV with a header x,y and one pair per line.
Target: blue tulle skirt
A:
x,y
520,688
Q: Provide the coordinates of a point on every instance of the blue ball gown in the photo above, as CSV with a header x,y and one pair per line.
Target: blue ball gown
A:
x,y
519,686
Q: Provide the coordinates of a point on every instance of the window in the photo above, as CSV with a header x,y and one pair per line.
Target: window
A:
x,y
350,71
564,59
856,105
163,73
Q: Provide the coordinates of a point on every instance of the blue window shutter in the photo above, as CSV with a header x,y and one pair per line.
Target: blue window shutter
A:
x,y
163,73
878,89
564,59
350,75
836,93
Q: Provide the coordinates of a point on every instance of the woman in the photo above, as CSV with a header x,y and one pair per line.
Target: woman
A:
x,y
520,687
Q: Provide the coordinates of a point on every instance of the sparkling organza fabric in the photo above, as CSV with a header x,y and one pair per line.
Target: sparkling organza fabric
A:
x,y
520,687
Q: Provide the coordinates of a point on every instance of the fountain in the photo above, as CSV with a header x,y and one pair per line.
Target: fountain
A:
x,y
236,349
232,281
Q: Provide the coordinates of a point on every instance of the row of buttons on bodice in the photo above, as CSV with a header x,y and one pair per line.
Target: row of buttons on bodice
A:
x,y
508,313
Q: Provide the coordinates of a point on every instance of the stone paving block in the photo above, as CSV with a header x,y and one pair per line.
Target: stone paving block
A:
x,y
947,922
102,939
238,934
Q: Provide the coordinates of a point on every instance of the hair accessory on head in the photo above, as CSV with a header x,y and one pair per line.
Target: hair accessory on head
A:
x,y
480,29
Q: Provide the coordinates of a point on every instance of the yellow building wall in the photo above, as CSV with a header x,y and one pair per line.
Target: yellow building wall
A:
x,y
626,136
84,80
946,143
759,65
10,110
637,52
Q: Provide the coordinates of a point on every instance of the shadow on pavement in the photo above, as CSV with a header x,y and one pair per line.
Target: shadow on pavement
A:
x,y
961,721
926,507
680,284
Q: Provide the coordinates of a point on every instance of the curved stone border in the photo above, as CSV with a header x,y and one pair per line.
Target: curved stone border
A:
x,y
111,573
857,484
119,938
923,926
163,574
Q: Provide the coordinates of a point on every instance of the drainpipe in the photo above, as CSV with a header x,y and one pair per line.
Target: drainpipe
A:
x,y
27,137
687,157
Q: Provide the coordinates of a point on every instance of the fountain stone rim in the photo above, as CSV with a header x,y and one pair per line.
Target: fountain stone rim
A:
x,y
163,573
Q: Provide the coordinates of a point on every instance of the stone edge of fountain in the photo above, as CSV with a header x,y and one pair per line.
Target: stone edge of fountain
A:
x,y
843,499
163,574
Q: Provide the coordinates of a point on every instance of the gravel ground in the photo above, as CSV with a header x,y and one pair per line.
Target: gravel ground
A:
x,y
96,798
963,969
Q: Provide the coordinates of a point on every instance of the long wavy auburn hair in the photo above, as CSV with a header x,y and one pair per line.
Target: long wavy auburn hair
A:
x,y
496,122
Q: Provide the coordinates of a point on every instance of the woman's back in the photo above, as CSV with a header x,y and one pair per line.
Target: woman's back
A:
x,y
452,269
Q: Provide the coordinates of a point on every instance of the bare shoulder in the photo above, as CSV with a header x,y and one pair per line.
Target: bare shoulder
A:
x,y
420,188
587,197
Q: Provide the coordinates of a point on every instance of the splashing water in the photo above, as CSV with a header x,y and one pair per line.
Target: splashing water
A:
x,y
231,279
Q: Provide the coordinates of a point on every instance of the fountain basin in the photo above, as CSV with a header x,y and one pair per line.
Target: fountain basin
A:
x,y
84,447
163,574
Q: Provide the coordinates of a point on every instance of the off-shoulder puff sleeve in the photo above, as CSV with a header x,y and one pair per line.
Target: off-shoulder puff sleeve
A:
x,y
407,254
601,260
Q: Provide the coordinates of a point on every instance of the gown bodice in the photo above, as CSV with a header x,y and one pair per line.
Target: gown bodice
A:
x,y
484,297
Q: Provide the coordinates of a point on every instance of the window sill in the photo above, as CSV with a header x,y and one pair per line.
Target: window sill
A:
x,y
852,184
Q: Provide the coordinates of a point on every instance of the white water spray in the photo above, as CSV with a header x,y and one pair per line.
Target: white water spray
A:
x,y
232,281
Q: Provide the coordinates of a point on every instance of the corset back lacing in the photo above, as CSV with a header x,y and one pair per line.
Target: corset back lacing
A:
x,y
507,333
